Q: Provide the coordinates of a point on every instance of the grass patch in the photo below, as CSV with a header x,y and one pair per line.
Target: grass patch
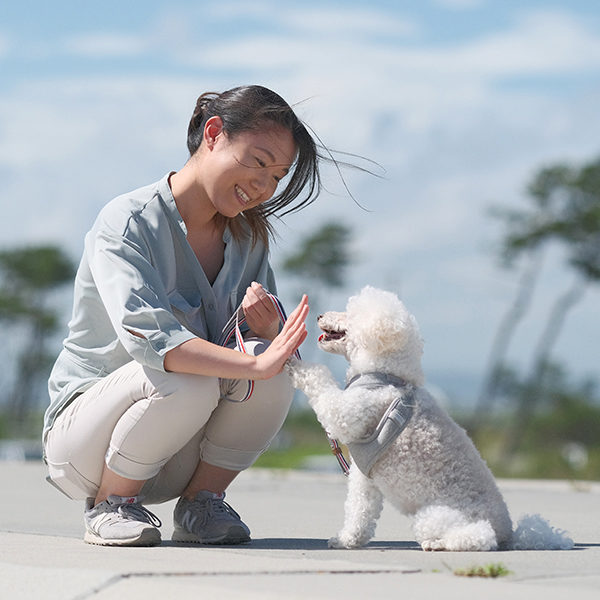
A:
x,y
492,570
300,438
292,458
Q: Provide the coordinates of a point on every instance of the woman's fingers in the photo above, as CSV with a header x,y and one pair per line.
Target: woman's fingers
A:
x,y
294,331
287,342
298,315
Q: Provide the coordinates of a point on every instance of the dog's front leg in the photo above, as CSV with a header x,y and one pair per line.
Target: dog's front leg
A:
x,y
363,506
317,382
313,379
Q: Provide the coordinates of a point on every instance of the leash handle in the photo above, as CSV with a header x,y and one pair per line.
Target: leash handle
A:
x,y
232,328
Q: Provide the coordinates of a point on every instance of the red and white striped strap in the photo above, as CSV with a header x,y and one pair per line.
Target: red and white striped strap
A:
x,y
337,451
233,328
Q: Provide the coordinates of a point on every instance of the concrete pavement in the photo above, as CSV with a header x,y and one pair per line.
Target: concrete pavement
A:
x,y
291,515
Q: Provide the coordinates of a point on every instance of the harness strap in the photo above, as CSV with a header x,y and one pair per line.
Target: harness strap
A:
x,y
366,451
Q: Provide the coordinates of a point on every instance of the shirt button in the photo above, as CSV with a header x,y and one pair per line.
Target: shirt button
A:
x,y
211,306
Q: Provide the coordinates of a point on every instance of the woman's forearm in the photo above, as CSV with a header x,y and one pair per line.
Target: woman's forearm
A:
x,y
200,357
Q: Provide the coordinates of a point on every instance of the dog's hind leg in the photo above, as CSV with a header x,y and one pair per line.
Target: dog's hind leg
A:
x,y
445,528
363,506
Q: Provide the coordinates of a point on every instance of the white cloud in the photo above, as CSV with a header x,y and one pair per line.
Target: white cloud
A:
x,y
543,42
106,45
354,21
417,84
316,18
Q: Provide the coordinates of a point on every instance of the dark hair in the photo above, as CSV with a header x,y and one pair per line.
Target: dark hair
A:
x,y
246,108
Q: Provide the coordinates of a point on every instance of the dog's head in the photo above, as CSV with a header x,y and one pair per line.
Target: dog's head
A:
x,y
375,333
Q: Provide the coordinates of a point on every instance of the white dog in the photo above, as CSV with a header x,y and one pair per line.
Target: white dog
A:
x,y
403,445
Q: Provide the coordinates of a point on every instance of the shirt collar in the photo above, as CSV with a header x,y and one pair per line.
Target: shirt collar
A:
x,y
164,189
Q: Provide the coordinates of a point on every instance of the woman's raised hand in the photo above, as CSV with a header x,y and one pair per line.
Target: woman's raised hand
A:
x,y
293,333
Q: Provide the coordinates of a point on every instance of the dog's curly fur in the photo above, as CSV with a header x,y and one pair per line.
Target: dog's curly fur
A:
x,y
432,471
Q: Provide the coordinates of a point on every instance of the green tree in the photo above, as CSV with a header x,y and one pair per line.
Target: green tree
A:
x,y
28,276
564,208
322,257
320,261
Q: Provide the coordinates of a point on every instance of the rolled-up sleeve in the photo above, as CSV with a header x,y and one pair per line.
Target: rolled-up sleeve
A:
x,y
133,296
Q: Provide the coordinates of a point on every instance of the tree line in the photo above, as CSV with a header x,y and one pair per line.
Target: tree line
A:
x,y
561,207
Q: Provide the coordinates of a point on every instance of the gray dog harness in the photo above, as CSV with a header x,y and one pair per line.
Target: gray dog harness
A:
x,y
366,451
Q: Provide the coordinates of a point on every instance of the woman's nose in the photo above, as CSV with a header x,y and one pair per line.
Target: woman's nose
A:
x,y
260,181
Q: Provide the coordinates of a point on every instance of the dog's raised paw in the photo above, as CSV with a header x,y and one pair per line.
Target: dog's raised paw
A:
x,y
308,377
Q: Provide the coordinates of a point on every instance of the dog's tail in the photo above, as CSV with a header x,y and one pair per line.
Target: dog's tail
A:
x,y
533,532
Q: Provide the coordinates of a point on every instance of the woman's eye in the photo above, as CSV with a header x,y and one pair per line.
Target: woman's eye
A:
x,y
260,162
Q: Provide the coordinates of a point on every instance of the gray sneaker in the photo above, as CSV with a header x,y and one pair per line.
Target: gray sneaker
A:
x,y
208,519
120,521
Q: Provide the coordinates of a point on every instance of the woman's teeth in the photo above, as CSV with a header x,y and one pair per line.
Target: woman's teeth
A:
x,y
242,194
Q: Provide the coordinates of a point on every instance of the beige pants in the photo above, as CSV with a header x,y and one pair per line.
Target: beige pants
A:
x,y
154,426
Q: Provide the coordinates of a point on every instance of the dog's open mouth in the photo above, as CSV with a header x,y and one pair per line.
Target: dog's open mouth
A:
x,y
329,335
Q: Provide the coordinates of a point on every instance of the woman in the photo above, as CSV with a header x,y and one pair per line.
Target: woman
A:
x,y
144,400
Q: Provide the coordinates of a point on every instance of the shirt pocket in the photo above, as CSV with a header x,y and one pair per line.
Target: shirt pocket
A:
x,y
84,367
190,316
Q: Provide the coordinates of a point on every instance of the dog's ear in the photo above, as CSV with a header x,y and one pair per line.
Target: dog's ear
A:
x,y
383,334
381,323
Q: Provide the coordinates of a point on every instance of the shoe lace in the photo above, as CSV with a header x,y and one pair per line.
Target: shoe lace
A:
x,y
211,507
139,513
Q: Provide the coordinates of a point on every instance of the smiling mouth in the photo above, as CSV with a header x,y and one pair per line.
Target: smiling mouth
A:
x,y
242,195
329,335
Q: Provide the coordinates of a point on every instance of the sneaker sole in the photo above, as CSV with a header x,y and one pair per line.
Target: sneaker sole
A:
x,y
235,535
148,537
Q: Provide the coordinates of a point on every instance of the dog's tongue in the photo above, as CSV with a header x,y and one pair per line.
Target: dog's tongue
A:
x,y
321,337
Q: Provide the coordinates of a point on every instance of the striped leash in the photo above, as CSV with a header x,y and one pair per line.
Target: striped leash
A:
x,y
232,328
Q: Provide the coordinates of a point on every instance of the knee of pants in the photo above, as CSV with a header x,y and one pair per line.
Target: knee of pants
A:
x,y
76,447
237,433
153,429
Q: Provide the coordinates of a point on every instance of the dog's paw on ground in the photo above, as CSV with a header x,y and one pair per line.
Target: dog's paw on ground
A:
x,y
348,542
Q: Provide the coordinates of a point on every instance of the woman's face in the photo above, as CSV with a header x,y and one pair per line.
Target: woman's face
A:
x,y
243,171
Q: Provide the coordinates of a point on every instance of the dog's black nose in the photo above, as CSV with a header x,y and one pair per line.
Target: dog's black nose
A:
x,y
319,317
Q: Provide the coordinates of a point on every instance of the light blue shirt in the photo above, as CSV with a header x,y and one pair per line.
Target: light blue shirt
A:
x,y
140,292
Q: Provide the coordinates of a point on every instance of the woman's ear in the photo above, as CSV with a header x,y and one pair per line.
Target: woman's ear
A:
x,y
212,129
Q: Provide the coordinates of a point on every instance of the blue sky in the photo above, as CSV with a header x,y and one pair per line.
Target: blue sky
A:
x,y
459,101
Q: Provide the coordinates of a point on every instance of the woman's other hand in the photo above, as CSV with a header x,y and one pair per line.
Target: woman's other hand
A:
x,y
260,312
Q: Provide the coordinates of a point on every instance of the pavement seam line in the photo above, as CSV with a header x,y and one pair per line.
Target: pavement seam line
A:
x,y
99,588
124,576
267,572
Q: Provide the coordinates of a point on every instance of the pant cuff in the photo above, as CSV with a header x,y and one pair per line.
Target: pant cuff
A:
x,y
129,468
228,458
